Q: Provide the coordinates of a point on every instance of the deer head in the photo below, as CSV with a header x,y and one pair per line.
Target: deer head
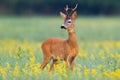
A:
x,y
69,18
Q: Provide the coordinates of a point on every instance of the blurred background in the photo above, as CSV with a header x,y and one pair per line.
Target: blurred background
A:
x,y
25,24
93,7
37,20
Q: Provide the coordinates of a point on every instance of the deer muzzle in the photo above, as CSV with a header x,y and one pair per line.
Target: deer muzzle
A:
x,y
63,27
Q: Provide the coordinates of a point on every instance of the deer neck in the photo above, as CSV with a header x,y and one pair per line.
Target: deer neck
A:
x,y
72,40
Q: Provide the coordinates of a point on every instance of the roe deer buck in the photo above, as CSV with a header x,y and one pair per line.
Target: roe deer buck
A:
x,y
66,50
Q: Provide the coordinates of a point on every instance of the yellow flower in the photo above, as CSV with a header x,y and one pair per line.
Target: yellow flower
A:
x,y
118,56
117,72
58,59
86,71
58,69
3,72
64,67
16,70
106,73
112,74
112,55
35,70
83,54
94,72
100,66
32,60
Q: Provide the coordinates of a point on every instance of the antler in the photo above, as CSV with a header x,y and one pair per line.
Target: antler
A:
x,y
66,9
73,10
75,7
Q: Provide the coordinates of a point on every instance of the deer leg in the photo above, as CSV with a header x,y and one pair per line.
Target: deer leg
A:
x,y
72,63
53,64
45,62
67,61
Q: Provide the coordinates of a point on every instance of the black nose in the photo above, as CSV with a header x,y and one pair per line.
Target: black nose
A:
x,y
63,27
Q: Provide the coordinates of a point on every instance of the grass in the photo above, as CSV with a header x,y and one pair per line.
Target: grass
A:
x,y
21,56
40,28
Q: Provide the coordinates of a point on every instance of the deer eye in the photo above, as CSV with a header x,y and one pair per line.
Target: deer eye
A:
x,y
69,21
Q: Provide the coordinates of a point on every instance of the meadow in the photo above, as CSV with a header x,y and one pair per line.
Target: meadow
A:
x,y
21,55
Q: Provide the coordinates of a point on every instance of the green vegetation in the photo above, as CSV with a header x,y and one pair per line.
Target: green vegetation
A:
x,y
21,55
40,28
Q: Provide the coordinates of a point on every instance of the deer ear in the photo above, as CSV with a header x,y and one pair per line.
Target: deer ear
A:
x,y
62,15
74,15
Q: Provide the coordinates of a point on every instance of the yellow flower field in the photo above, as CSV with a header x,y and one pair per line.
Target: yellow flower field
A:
x,y
21,60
